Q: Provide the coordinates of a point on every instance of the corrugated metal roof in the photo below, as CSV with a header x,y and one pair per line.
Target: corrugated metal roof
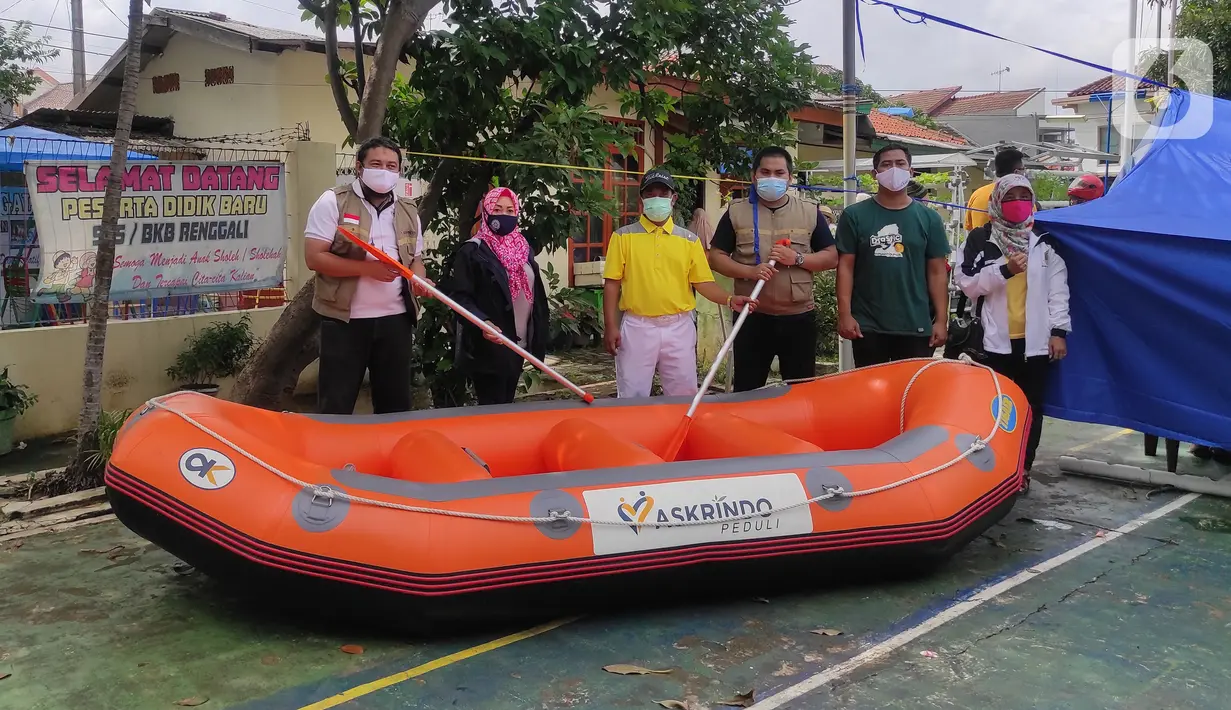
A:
x,y
258,32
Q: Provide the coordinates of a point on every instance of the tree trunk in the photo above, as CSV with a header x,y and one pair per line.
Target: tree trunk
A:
x,y
79,474
403,19
271,374
269,379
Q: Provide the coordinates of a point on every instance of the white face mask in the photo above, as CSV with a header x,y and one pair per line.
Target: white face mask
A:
x,y
894,179
380,181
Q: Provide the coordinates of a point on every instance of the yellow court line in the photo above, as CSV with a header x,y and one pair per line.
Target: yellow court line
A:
x,y
1103,440
382,683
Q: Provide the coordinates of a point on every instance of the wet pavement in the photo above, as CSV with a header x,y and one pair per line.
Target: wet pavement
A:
x,y
97,618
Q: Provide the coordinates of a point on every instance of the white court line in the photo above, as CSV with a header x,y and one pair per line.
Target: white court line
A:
x,y
888,646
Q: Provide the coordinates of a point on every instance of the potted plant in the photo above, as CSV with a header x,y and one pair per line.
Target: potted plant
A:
x,y
14,399
218,350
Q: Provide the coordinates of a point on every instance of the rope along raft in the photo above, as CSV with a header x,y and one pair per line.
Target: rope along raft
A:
x,y
326,492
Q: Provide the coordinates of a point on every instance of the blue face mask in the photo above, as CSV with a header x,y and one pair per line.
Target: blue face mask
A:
x,y
656,209
502,224
771,189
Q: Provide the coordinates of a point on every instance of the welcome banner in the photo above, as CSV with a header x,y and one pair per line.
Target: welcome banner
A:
x,y
185,228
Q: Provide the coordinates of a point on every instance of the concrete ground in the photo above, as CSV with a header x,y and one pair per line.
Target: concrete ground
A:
x,y
97,618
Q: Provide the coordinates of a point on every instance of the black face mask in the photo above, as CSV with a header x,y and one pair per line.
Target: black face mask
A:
x,y
501,224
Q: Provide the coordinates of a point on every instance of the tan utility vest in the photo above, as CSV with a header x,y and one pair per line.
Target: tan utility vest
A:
x,y
333,294
790,291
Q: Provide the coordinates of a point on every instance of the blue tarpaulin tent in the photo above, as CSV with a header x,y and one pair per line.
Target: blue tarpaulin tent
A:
x,y
1150,279
23,143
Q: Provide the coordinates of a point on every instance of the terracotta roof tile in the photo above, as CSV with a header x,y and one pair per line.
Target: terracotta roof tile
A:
x,y
891,126
996,101
927,101
58,97
1099,86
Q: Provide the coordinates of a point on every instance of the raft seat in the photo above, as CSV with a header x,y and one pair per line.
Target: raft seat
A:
x,y
428,456
721,435
580,444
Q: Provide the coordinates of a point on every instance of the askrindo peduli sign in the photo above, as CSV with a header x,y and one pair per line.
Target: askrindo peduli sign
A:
x,y
185,228
661,515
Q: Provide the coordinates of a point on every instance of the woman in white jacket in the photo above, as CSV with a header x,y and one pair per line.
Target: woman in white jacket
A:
x,y
1020,287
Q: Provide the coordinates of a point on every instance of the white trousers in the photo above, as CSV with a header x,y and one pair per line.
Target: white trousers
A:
x,y
667,344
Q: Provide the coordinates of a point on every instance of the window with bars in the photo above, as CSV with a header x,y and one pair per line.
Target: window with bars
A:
x,y
589,242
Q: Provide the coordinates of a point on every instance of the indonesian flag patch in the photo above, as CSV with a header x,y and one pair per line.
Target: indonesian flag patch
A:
x,y
350,219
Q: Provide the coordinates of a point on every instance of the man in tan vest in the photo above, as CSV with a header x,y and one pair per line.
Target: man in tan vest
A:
x,y
368,310
745,240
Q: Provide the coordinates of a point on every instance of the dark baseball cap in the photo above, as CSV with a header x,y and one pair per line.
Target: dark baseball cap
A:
x,y
658,176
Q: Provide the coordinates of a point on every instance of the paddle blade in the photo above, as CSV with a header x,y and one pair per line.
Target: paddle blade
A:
x,y
677,440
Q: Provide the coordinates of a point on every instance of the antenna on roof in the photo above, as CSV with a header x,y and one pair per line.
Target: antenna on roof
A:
x,y
999,74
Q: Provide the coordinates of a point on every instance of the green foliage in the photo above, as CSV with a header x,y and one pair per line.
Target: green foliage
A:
x,y
513,80
1210,22
17,48
825,297
218,350
14,397
575,318
109,425
1050,187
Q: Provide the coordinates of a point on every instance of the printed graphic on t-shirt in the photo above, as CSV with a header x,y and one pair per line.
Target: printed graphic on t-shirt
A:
x,y
888,242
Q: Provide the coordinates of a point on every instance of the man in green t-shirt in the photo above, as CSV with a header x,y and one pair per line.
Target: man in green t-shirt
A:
x,y
892,269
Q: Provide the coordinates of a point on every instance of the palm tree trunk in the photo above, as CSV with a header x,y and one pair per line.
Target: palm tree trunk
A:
x,y
79,473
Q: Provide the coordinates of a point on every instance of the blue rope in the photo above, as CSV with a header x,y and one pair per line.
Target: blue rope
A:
x,y
925,16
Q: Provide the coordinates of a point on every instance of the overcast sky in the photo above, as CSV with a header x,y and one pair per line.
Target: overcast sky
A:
x,y
900,56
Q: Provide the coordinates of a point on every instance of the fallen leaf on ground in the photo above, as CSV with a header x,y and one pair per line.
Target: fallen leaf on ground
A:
x,y
270,660
827,632
191,702
741,700
515,675
1100,533
4,675
626,669
928,654
107,551
673,704
352,648
762,600
18,544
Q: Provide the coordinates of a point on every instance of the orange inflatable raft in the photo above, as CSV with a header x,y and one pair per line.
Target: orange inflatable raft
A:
x,y
532,504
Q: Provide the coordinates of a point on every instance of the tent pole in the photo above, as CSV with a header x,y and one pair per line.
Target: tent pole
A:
x,y
1171,47
850,182
1130,90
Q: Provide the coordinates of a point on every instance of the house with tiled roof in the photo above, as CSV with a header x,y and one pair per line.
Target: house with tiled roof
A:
x,y
985,118
1097,110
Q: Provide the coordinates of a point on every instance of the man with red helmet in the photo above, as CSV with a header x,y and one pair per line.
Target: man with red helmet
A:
x,y
1085,188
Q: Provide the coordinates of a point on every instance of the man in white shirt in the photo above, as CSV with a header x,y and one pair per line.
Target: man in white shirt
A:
x,y
368,310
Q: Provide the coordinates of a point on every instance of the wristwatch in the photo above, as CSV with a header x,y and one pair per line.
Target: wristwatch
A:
x,y
799,259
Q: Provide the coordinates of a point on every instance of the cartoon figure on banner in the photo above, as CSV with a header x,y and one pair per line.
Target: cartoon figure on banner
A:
x,y
71,275
85,277
60,266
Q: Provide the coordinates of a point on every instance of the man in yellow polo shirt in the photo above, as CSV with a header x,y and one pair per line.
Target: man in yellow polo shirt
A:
x,y
1007,162
652,269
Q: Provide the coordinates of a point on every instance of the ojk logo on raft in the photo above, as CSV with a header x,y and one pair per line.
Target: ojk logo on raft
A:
x,y
697,512
207,469
1005,413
